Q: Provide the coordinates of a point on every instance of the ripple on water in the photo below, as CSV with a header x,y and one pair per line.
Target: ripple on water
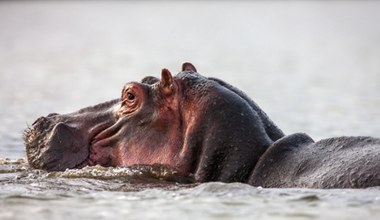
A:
x,y
149,192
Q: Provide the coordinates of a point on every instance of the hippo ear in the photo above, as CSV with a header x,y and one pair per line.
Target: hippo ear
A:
x,y
188,67
166,82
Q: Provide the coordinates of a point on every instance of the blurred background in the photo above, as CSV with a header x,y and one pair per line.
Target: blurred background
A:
x,y
313,66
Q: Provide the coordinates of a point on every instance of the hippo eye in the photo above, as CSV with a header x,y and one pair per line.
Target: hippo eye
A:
x,y
130,96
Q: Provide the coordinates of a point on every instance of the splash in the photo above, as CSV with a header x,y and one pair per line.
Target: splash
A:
x,y
8,165
147,173
134,174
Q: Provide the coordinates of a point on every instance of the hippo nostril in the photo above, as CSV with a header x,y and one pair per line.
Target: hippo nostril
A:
x,y
39,121
52,114
42,124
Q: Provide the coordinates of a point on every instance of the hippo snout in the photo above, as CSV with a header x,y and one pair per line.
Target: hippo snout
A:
x,y
58,142
48,141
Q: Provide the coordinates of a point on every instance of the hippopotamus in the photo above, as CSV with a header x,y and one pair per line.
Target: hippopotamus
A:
x,y
202,127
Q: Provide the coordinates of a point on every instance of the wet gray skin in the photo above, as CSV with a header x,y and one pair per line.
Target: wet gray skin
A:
x,y
201,127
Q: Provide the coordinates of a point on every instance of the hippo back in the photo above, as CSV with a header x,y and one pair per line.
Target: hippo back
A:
x,y
270,127
341,162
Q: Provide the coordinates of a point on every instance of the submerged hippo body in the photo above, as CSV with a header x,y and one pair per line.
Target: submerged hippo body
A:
x,y
297,161
201,127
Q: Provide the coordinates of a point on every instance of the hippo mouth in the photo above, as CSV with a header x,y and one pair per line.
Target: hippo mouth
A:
x,y
89,156
94,155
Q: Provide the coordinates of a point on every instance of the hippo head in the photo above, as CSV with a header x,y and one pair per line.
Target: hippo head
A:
x,y
191,123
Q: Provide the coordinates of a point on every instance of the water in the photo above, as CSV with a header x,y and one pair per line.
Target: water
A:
x,y
312,66
120,193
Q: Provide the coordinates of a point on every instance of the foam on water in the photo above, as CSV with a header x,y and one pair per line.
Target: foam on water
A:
x,y
17,171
